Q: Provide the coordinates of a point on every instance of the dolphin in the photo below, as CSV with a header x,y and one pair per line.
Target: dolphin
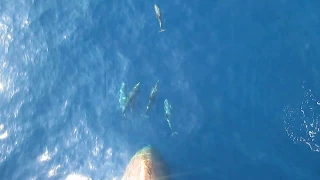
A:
x,y
131,97
152,96
158,14
167,109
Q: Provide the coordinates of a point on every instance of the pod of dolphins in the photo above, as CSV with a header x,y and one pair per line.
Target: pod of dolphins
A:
x,y
127,101
146,164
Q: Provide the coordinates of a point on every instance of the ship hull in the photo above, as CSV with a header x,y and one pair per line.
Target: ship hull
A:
x,y
146,164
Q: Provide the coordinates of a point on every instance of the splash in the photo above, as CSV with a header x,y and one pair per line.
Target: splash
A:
x,y
122,96
302,123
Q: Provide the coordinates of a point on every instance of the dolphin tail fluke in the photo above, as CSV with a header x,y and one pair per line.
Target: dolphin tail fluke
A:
x,y
162,30
174,133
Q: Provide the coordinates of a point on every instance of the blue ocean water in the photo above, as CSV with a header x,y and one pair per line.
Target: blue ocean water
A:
x,y
242,78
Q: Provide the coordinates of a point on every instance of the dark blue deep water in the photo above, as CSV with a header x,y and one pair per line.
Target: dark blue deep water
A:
x,y
242,77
